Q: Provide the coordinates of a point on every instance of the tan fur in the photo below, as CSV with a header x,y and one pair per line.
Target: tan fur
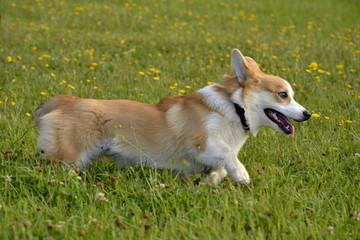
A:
x,y
83,123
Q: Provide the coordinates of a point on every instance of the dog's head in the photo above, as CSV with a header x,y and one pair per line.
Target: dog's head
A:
x,y
268,100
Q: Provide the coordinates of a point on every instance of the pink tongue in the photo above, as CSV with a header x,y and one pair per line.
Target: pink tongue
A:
x,y
283,122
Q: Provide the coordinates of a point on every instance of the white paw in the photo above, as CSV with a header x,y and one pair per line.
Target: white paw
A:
x,y
241,176
213,178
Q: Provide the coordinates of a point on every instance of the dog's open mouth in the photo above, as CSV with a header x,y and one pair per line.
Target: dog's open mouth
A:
x,y
283,123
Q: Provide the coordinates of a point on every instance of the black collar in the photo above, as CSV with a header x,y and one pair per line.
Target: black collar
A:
x,y
241,113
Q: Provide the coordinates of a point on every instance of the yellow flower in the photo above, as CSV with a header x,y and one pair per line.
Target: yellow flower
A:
x,y
88,80
35,47
66,59
122,41
95,88
315,115
283,69
71,86
348,121
32,68
19,57
327,118
294,84
28,114
328,73
209,83
9,59
320,71
274,57
157,71
94,64
141,94
159,54
46,56
339,66
156,78
40,58
349,86
52,74
152,69
13,103
172,87
334,148
142,73
187,87
182,91
23,66
43,93
62,82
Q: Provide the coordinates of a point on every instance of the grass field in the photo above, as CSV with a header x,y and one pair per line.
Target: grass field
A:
x,y
303,187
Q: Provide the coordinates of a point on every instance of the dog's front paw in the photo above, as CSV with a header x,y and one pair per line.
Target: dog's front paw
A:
x,y
241,176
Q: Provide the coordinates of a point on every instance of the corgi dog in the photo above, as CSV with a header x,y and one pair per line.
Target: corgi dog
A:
x,y
205,129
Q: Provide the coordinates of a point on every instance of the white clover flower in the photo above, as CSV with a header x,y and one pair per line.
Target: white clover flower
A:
x,y
101,197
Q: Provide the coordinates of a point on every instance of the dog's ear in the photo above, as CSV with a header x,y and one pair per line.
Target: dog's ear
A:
x,y
243,66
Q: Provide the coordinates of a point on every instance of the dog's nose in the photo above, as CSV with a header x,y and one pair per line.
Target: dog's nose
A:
x,y
307,114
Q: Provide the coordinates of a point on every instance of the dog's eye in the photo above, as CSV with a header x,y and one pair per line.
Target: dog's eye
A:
x,y
283,95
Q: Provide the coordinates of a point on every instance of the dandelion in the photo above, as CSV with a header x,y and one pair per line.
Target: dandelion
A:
x,y
142,73
320,71
95,88
339,66
66,59
122,41
327,118
71,86
348,121
43,93
35,48
172,87
159,55
187,87
182,91
156,78
328,73
32,68
52,74
23,66
9,59
47,65
28,114
283,69
62,82
349,86
141,94
94,64
13,103
294,84
19,57
274,57
157,71
210,83
315,115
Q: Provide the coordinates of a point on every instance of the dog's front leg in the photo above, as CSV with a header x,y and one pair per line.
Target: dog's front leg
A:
x,y
216,175
237,171
219,155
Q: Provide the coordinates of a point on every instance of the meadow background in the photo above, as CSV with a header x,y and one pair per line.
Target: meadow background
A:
x,y
303,187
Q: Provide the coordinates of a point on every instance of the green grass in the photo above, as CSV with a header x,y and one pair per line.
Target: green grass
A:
x,y
302,187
